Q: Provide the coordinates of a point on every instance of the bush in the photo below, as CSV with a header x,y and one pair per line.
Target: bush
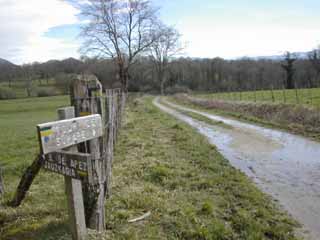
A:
x,y
177,89
46,92
7,93
63,82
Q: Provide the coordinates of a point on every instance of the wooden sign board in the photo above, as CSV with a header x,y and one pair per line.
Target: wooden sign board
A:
x,y
57,135
69,164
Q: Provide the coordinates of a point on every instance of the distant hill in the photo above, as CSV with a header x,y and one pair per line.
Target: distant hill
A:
x,y
299,55
7,69
69,65
6,63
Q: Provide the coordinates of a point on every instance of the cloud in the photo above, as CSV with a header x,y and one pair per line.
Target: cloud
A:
x,y
23,25
238,41
232,28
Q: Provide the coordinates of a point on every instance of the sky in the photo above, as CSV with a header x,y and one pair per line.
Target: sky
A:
x,y
40,30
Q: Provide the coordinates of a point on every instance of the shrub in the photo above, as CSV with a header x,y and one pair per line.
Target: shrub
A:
x,y
46,92
63,82
7,93
177,89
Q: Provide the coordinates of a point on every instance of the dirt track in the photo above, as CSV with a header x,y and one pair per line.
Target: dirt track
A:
x,y
283,165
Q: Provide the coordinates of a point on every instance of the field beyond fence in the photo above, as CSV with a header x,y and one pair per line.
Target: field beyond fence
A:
x,y
306,96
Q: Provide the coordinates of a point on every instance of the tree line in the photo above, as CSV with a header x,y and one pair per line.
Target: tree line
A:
x,y
127,45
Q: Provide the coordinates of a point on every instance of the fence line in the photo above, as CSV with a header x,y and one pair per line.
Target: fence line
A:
x,y
87,98
305,96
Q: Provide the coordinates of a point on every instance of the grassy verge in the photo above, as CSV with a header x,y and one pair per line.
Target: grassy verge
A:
x,y
165,167
283,117
161,165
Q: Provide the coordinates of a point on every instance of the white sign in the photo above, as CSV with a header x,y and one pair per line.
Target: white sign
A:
x,y
65,133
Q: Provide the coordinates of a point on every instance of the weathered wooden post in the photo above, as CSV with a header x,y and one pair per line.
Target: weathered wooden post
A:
x,y
115,112
311,96
272,95
74,191
86,96
284,95
1,183
121,105
297,95
110,134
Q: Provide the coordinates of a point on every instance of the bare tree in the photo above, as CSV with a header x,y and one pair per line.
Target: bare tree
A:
x,y
119,29
314,58
28,74
287,65
166,46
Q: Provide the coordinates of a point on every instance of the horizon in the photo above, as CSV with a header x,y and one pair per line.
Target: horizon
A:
x,y
230,30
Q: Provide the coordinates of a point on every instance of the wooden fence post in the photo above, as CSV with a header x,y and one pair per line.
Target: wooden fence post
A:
x,y
311,96
1,183
74,191
272,95
118,114
115,114
297,95
255,95
110,106
86,96
284,95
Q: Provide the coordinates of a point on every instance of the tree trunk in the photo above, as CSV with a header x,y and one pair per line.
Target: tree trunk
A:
x,y
10,81
29,86
162,81
124,77
162,87
290,82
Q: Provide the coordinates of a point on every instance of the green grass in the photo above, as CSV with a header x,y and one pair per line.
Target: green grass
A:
x,y
166,167
43,211
161,165
310,97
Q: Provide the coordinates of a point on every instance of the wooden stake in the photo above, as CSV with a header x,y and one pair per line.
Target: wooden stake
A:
x,y
1,183
111,137
86,96
74,191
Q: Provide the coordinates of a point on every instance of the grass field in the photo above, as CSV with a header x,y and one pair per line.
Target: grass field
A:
x,y
44,209
161,165
309,97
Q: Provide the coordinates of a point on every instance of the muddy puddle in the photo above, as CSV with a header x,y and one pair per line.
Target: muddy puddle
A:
x,y
284,165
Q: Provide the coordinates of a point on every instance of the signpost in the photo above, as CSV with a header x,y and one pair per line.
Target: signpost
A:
x,y
69,164
58,142
65,133
87,174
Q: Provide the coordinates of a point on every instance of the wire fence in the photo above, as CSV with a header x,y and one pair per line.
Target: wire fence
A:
x,y
305,96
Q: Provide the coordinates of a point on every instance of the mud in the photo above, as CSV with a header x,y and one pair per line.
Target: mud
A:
x,y
284,165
